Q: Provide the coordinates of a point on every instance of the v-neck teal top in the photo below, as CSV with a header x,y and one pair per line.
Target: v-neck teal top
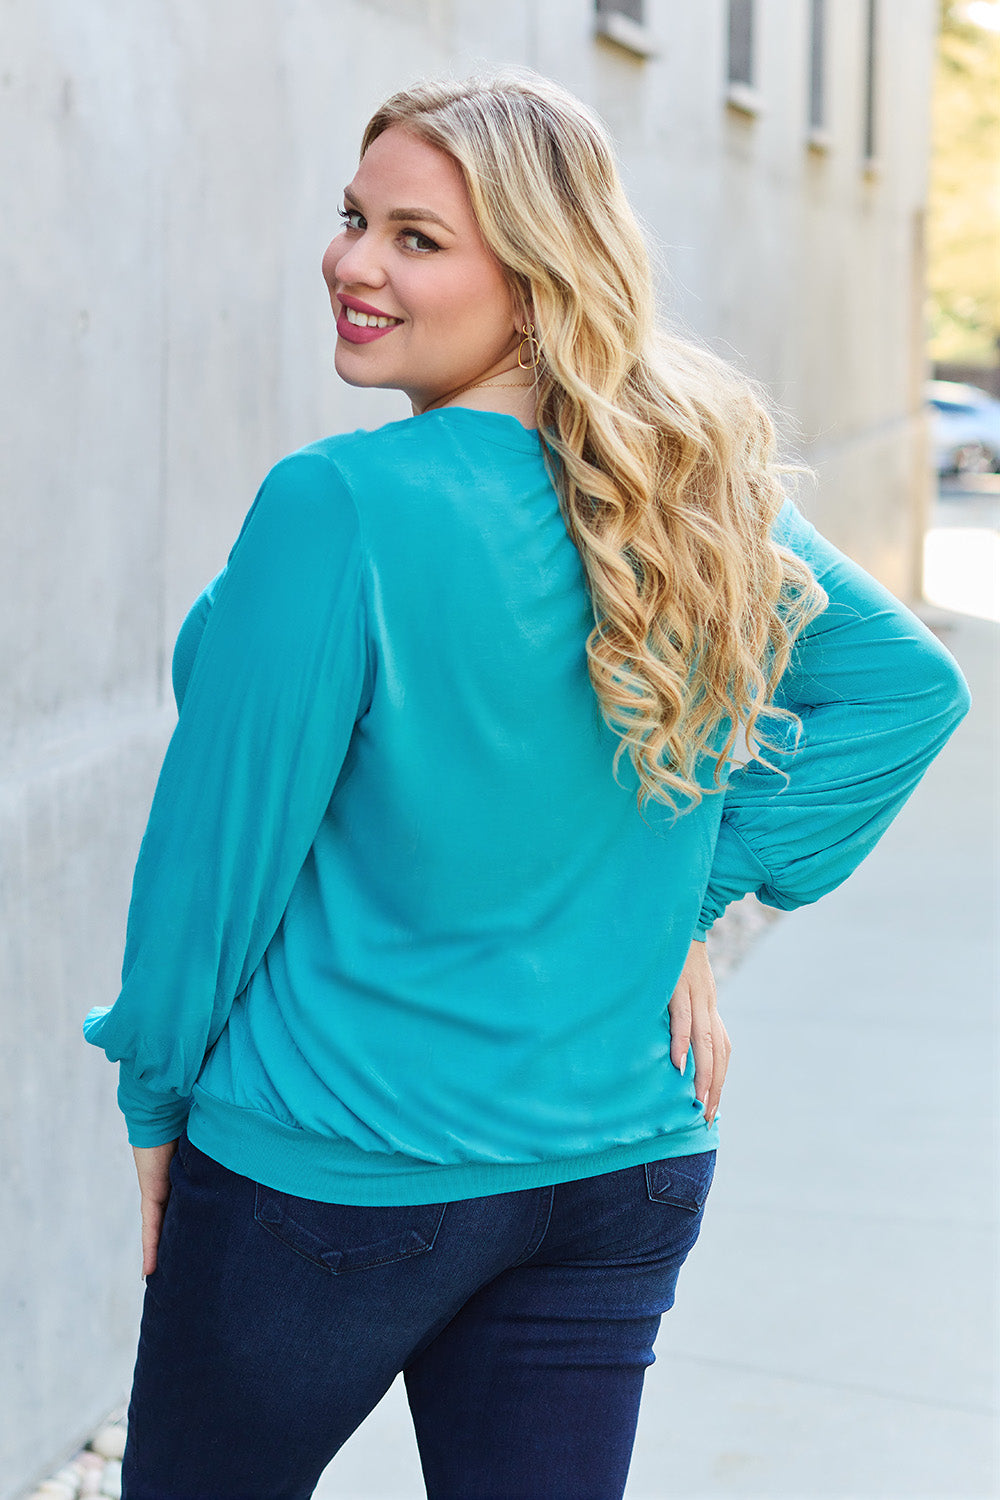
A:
x,y
397,934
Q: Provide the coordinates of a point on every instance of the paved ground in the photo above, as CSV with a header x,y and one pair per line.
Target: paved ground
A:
x,y
835,1333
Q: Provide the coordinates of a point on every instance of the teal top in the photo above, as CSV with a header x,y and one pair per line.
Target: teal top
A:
x,y
397,934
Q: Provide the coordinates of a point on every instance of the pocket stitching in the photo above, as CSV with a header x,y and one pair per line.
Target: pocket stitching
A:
x,y
697,1187
310,1247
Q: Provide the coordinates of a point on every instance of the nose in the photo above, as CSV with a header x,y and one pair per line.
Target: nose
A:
x,y
352,262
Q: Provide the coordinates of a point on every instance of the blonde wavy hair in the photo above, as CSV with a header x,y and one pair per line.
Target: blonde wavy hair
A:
x,y
663,456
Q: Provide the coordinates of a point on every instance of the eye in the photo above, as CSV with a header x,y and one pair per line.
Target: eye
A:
x,y
424,246
413,234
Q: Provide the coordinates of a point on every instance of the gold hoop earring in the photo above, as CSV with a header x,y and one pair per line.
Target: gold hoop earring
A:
x,y
528,329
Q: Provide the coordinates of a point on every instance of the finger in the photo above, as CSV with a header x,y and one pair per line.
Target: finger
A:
x,y
722,1051
703,1045
152,1223
679,1011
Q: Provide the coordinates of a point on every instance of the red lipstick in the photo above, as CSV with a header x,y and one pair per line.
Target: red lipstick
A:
x,y
350,331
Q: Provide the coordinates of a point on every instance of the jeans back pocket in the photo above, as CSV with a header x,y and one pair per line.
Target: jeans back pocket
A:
x,y
683,1181
344,1237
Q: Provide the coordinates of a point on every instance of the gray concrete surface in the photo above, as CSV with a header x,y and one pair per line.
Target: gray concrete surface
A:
x,y
835,1333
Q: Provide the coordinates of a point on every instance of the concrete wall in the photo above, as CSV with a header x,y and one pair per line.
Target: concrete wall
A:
x,y
169,177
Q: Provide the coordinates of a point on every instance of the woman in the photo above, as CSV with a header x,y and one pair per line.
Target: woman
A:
x,y
418,1039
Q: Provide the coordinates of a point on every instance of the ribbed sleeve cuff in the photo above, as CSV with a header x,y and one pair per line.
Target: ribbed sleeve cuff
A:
x,y
736,871
152,1119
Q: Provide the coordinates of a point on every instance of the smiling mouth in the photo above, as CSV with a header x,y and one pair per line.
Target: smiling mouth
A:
x,y
356,327
369,320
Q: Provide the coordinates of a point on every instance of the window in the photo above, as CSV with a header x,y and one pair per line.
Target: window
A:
x,y
817,66
818,137
624,23
871,69
633,9
741,92
740,63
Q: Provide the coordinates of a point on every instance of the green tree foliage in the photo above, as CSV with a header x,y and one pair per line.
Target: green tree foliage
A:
x,y
964,209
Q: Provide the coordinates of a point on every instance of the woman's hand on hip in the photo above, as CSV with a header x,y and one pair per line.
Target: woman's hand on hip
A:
x,y
695,1023
152,1163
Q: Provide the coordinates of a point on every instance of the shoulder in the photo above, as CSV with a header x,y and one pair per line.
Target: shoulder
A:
x,y
394,444
830,567
791,529
327,486
304,500
340,470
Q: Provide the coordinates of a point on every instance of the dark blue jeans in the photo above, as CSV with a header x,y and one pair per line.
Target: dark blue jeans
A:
x,y
523,1323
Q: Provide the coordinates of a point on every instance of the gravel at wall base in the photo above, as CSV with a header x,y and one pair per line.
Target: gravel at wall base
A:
x,y
95,1471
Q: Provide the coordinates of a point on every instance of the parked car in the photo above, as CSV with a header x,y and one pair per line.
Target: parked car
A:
x,y
965,428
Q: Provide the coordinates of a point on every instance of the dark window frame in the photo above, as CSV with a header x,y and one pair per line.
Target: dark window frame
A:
x,y
633,10
870,121
740,53
625,24
817,66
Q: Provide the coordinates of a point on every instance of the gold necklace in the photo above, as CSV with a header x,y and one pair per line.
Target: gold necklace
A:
x,y
510,385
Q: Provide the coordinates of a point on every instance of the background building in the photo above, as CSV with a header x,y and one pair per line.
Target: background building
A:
x,y
170,177
964,199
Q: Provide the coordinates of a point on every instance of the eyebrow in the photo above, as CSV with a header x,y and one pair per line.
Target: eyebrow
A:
x,y
405,213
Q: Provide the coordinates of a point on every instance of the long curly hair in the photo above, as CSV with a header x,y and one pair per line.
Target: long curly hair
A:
x,y
663,455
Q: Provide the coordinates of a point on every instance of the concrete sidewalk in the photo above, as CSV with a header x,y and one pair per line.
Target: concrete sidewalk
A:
x,y
835,1333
